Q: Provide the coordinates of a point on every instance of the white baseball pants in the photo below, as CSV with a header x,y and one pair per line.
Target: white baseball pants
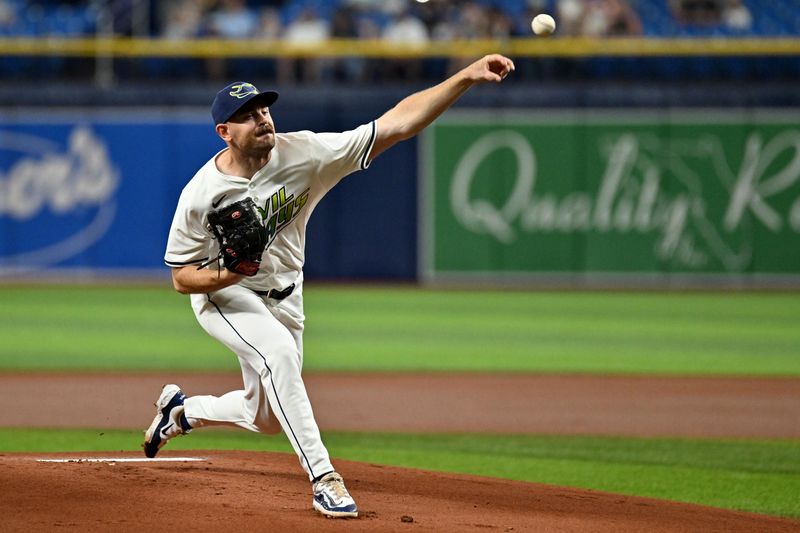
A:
x,y
267,337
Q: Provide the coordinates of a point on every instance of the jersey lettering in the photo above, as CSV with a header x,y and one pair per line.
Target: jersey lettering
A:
x,y
280,210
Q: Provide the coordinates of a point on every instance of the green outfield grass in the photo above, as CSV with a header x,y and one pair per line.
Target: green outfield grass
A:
x,y
411,329
760,476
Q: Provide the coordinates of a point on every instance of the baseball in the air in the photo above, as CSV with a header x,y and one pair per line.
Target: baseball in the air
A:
x,y
543,25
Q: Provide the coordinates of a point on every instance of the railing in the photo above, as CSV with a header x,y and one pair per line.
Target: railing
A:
x,y
258,48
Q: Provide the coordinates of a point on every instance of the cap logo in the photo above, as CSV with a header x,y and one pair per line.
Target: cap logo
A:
x,y
242,90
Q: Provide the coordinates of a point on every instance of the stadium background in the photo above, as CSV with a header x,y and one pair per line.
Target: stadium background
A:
x,y
120,73
104,116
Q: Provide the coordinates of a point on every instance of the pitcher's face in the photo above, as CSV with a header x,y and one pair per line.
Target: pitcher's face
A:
x,y
251,130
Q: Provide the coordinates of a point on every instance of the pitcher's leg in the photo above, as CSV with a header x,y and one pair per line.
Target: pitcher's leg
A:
x,y
268,353
228,409
246,408
291,406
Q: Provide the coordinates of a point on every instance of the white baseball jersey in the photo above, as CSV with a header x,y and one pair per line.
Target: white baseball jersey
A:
x,y
302,168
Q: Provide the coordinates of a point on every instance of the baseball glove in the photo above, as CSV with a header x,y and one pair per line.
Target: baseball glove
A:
x,y
241,236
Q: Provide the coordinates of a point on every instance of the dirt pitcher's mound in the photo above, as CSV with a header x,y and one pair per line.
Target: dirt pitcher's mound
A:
x,y
238,491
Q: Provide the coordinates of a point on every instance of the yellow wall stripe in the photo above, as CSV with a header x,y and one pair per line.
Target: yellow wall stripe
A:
x,y
535,47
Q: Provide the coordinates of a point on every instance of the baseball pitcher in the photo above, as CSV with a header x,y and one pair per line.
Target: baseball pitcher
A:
x,y
236,246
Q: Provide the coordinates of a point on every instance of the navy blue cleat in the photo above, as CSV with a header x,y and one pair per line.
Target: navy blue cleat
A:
x,y
332,499
167,423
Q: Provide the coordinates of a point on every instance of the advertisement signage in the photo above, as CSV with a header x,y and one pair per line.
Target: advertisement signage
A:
x,y
93,190
622,194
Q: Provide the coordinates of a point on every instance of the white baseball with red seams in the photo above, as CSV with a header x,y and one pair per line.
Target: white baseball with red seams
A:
x,y
543,24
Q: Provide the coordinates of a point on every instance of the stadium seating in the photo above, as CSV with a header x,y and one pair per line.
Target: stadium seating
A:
x,y
769,18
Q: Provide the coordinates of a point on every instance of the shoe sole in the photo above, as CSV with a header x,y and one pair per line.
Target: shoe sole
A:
x,y
167,394
334,514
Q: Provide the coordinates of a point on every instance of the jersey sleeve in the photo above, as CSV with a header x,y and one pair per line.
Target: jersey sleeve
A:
x,y
188,242
340,154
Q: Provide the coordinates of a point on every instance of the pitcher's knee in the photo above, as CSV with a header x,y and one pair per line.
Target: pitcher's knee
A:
x,y
282,356
267,424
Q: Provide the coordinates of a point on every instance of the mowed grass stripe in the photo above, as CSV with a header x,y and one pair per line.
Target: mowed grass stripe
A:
x,y
372,328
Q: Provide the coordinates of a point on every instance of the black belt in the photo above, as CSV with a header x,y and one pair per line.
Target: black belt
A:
x,y
276,294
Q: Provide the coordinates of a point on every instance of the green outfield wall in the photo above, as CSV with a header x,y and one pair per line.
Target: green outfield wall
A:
x,y
700,194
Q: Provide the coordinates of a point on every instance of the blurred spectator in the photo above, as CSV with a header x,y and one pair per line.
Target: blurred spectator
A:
x,y
307,29
8,18
609,18
232,19
183,19
270,28
433,12
474,21
344,25
700,12
389,7
269,25
443,24
122,16
500,25
736,16
569,14
367,28
406,30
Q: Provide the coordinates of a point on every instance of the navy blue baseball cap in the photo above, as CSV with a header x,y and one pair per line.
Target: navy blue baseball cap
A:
x,y
230,99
